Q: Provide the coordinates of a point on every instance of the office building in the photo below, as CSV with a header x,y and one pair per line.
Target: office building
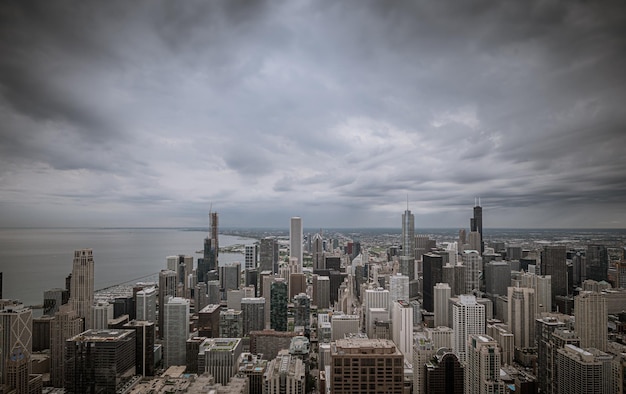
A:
x,y
296,284
278,305
82,282
433,273
454,275
167,288
176,330
250,257
597,263
253,367
66,324
285,374
366,366
322,293
41,333
554,263
476,225
442,293
444,374
407,256
231,323
268,260
209,321
441,336
146,304
218,357
497,276
542,285
482,373
343,325
552,333
230,277
97,360
590,309
53,299
201,297
253,309
270,342
501,334
468,318
145,335
423,350
402,327
302,311
582,371
16,326
398,287
102,312
295,240
473,263
318,252
521,316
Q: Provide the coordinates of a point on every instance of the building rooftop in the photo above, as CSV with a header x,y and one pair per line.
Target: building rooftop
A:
x,y
101,335
219,344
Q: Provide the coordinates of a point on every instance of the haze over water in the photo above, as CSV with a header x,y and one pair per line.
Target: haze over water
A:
x,y
35,260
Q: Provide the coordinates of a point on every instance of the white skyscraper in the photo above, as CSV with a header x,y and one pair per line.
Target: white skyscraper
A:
x,y
590,309
473,267
176,331
102,313
402,328
295,240
82,285
442,293
398,287
468,317
521,316
146,304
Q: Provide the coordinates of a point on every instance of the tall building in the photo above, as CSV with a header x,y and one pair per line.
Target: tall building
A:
x,y
322,298
473,267
167,288
468,318
231,323
407,257
521,316
402,324
144,346
66,324
597,263
97,360
250,257
146,304
218,357
497,277
102,312
551,333
82,289
433,273
444,374
295,240
285,374
482,374
278,305
582,371
53,299
442,293
423,350
366,366
201,296
302,311
542,285
590,309
16,332
176,330
318,252
476,224
268,255
398,287
230,276
342,325
554,263
253,314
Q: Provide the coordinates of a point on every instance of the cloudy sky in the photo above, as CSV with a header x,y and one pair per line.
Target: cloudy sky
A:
x,y
147,113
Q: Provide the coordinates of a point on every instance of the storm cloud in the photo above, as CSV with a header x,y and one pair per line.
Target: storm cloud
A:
x,y
151,112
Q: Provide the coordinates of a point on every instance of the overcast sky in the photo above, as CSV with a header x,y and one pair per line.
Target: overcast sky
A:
x,y
147,113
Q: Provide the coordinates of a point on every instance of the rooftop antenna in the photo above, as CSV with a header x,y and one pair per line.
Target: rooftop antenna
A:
x,y
210,211
407,202
479,201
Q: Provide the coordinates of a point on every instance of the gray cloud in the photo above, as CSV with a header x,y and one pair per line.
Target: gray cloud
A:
x,y
146,113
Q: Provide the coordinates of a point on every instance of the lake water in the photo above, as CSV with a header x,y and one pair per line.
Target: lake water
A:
x,y
35,260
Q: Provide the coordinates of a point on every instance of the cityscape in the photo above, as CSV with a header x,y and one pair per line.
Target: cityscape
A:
x,y
337,311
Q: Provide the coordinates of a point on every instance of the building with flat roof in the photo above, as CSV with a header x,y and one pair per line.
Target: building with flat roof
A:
x,y
285,374
218,356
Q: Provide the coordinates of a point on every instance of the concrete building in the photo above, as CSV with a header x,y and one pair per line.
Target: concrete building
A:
x,y
441,336
268,260
398,287
402,328
468,318
442,293
473,267
102,312
284,375
270,342
366,366
423,351
167,288
146,304
176,330
253,309
82,282
521,314
552,332
218,357
250,257
582,371
209,321
65,325
231,323
482,373
253,367
590,309
322,293
295,240
97,360
16,332
505,339
344,324
542,285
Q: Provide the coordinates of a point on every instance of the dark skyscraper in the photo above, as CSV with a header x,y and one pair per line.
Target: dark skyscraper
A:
x,y
407,257
433,274
597,262
554,263
278,305
209,260
476,224
268,260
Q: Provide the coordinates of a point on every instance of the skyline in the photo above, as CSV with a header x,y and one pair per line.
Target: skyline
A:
x,y
148,115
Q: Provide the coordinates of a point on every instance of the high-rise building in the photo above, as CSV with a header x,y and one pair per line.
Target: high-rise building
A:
x,y
521,316
218,357
230,276
145,335
497,277
468,318
402,325
253,367
473,263
482,374
97,360
366,366
201,297
597,263
433,273
66,324
302,311
268,255
342,325
278,305
146,304
501,334
102,312
551,333
582,371
82,289
209,321
423,350
444,373
398,287
554,263
295,240
250,256
176,330
407,257
318,252
16,332
53,299
476,224
253,309
322,297
285,374
542,285
442,293
231,323
167,288
590,309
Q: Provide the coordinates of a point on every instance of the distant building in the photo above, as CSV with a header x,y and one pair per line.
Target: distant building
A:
x,y
590,309
176,330
295,240
146,304
278,305
253,309
16,325
468,318
218,356
554,263
82,284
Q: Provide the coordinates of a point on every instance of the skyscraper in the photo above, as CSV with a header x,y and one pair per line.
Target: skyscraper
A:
x,y
444,374
230,276
554,263
253,314
597,263
66,324
278,305
590,309
285,374
521,316
482,374
318,252
476,224
167,288
402,324
268,255
295,240
468,318
433,273
442,293
146,304
82,286
176,330
407,257
250,257
473,267
16,326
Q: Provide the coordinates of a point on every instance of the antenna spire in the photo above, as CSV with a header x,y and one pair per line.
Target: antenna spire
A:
x,y
407,202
